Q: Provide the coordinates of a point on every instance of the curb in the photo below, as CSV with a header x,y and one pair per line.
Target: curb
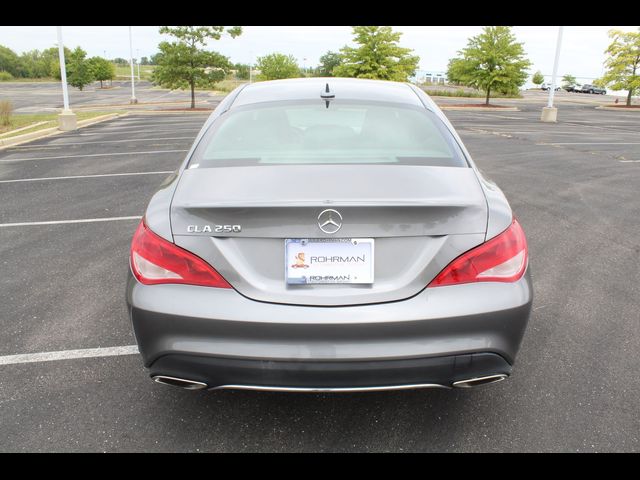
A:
x,y
37,124
49,132
480,109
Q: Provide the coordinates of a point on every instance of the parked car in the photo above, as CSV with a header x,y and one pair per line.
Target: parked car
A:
x,y
547,86
572,87
328,235
589,88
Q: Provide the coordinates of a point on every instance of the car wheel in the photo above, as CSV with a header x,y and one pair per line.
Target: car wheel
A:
x,y
591,91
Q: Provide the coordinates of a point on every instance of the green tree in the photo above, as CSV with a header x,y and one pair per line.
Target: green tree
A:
x,y
378,56
455,71
328,62
33,65
51,57
242,71
491,61
623,62
9,61
79,73
186,63
276,66
144,61
569,79
537,78
102,69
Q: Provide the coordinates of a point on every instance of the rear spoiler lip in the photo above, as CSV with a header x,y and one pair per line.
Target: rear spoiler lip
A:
x,y
445,203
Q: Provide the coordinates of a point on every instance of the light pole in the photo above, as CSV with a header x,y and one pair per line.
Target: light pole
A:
x,y
67,119
550,113
138,62
133,88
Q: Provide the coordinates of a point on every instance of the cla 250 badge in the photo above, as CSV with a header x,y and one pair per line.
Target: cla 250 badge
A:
x,y
214,228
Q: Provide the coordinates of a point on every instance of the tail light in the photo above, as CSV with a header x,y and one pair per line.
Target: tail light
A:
x,y
501,259
155,260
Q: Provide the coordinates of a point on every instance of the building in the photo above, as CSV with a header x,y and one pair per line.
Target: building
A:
x,y
430,76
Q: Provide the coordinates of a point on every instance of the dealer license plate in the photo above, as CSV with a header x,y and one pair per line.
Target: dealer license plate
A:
x,y
329,260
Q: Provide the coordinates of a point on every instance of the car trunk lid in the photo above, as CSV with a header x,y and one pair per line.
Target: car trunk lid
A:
x,y
238,218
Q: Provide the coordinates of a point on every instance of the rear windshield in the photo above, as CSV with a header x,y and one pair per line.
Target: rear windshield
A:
x,y
295,133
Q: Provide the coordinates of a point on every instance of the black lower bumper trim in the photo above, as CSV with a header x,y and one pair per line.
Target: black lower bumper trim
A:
x,y
218,371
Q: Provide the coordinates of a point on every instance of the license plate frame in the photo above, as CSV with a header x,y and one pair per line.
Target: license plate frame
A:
x,y
329,261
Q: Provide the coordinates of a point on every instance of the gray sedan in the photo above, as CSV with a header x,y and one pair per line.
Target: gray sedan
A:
x,y
328,234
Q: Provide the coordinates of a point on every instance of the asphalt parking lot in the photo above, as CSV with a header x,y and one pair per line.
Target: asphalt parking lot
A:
x,y
46,97
574,185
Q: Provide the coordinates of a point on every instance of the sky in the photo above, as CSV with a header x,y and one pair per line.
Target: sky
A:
x,y
582,53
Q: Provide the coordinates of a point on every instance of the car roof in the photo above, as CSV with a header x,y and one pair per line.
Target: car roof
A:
x,y
342,88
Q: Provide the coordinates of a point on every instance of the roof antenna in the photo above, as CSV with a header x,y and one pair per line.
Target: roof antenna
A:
x,y
327,95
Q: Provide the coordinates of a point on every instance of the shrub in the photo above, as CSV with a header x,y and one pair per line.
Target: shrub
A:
x,y
5,76
6,108
452,93
466,93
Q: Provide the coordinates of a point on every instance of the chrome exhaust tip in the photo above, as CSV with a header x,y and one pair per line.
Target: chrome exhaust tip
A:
x,y
476,382
179,382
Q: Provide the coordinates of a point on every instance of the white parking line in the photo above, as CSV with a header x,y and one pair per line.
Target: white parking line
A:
x,y
60,145
629,161
70,177
128,124
596,143
156,120
69,354
153,99
12,160
126,128
81,220
148,130
608,128
535,132
170,118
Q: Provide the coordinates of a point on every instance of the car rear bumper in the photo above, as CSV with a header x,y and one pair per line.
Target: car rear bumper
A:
x,y
305,375
222,339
